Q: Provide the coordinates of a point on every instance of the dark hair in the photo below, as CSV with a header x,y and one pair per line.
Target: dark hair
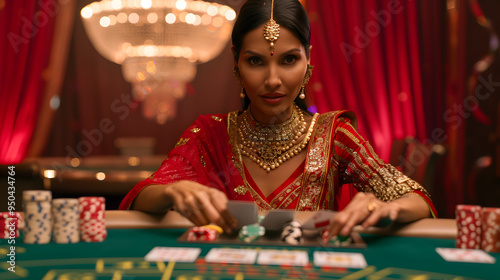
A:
x,y
289,14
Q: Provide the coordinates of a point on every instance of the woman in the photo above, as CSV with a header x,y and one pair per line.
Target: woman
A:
x,y
275,152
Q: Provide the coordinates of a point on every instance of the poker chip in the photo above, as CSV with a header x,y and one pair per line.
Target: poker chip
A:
x,y
250,233
203,233
292,233
469,228
92,223
66,221
11,223
216,227
491,230
37,207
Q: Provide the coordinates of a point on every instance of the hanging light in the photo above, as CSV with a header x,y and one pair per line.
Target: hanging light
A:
x,y
158,43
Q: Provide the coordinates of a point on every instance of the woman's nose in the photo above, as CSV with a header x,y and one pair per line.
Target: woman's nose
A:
x,y
273,80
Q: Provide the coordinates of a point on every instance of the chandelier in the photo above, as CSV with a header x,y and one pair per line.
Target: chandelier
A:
x,y
158,43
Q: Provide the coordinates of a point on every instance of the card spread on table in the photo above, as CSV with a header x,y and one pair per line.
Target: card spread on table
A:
x,y
226,255
283,257
320,220
335,259
245,212
276,218
465,255
177,254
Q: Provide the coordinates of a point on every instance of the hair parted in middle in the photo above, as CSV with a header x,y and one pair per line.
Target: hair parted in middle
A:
x,y
289,14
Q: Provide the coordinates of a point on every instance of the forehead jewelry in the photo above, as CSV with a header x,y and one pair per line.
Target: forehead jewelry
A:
x,y
271,30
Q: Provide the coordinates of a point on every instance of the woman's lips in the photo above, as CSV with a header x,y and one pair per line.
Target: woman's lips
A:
x,y
273,98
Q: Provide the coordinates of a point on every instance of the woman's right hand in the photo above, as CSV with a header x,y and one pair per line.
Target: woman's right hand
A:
x,y
202,205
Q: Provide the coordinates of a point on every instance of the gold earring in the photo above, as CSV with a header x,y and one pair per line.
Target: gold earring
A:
x,y
308,75
302,94
236,73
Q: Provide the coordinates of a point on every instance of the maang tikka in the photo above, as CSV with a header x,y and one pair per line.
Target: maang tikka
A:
x,y
271,30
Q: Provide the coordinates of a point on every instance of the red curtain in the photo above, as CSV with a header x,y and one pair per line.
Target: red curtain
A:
x,y
27,29
400,66
366,57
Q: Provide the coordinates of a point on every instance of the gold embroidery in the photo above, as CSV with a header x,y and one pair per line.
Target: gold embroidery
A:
x,y
181,142
232,129
287,195
202,161
216,118
348,134
316,163
370,149
195,130
241,190
386,187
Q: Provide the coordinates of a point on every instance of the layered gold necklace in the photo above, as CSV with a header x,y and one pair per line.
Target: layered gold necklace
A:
x,y
270,145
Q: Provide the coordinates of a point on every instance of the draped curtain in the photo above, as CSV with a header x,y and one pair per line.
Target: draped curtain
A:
x,y
384,59
26,29
366,58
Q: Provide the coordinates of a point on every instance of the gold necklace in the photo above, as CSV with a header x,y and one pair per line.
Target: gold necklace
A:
x,y
271,145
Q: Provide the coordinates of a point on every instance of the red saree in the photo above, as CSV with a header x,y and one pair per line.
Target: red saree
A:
x,y
336,156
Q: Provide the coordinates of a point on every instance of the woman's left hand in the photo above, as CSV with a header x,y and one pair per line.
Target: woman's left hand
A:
x,y
364,209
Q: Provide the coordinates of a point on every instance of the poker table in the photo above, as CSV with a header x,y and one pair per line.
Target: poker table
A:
x,y
404,251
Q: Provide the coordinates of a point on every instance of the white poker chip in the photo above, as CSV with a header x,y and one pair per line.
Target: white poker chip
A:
x,y
66,221
38,221
34,195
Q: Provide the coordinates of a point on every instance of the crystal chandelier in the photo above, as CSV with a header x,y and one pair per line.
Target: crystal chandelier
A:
x,y
158,43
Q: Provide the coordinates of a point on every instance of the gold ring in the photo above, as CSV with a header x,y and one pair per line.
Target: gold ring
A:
x,y
372,206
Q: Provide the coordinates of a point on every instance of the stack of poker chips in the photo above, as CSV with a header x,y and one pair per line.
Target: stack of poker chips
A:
x,y
11,223
468,226
38,217
478,228
491,230
66,221
292,233
92,224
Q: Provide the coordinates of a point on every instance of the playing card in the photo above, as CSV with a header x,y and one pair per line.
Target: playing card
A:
x,y
465,255
244,212
320,220
335,259
283,257
275,219
225,255
177,254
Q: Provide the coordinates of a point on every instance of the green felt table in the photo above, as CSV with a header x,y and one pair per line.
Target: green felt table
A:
x,y
121,256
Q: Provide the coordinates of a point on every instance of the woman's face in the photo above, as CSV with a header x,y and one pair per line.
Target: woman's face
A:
x,y
272,82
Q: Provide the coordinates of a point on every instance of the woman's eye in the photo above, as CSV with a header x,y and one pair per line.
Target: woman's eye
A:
x,y
255,60
290,59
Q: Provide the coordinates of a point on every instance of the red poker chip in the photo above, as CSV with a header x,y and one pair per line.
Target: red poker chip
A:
x,y
469,229
94,238
202,234
491,230
7,221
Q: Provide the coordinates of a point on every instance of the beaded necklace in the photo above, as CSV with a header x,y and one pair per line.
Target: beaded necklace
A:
x,y
271,145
